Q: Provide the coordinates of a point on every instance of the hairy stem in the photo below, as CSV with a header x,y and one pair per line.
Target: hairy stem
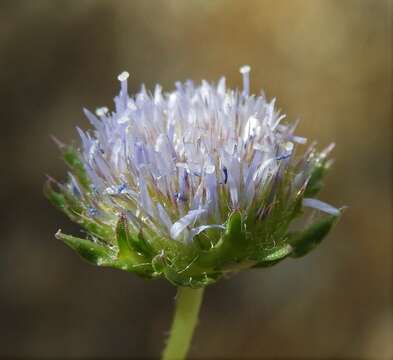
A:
x,y
188,303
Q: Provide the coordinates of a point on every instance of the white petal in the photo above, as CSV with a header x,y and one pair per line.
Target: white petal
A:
x,y
322,206
164,217
92,118
251,128
178,227
145,199
325,152
298,139
197,230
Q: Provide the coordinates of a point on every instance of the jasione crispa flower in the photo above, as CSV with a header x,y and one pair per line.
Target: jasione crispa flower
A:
x,y
192,184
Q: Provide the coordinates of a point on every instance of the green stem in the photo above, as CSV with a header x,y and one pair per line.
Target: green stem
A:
x,y
188,303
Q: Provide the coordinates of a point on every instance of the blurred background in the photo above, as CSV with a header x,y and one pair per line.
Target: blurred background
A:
x,y
328,62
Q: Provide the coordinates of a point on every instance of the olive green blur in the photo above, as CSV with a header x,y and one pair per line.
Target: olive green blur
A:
x,y
328,62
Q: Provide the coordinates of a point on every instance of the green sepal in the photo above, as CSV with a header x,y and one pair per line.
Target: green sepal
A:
x,y
265,264
188,277
140,245
305,241
297,206
158,263
74,209
57,199
179,279
123,238
234,227
173,277
234,242
72,158
127,244
315,183
275,257
102,256
230,249
279,253
162,267
100,230
91,252
142,269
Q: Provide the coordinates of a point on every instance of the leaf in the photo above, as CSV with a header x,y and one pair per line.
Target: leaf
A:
x,y
303,242
93,253
275,257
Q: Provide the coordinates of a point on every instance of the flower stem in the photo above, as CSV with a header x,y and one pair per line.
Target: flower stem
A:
x,y
188,303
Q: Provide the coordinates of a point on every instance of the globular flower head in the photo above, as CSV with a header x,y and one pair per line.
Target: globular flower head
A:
x,y
191,185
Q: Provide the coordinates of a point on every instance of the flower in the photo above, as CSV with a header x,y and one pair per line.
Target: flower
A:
x,y
191,185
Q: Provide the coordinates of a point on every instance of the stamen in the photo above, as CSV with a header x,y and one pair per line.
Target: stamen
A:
x,y
123,80
245,71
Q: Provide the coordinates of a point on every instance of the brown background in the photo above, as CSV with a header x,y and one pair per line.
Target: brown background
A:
x,y
327,62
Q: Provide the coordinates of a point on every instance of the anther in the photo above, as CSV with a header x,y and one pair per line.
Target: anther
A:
x,y
123,80
102,111
225,171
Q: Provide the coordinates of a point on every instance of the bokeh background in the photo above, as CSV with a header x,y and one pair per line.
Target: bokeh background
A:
x,y
328,62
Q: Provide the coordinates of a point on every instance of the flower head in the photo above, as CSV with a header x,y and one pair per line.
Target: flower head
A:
x,y
192,184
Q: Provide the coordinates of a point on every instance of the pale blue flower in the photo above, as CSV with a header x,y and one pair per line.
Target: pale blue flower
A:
x,y
177,166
